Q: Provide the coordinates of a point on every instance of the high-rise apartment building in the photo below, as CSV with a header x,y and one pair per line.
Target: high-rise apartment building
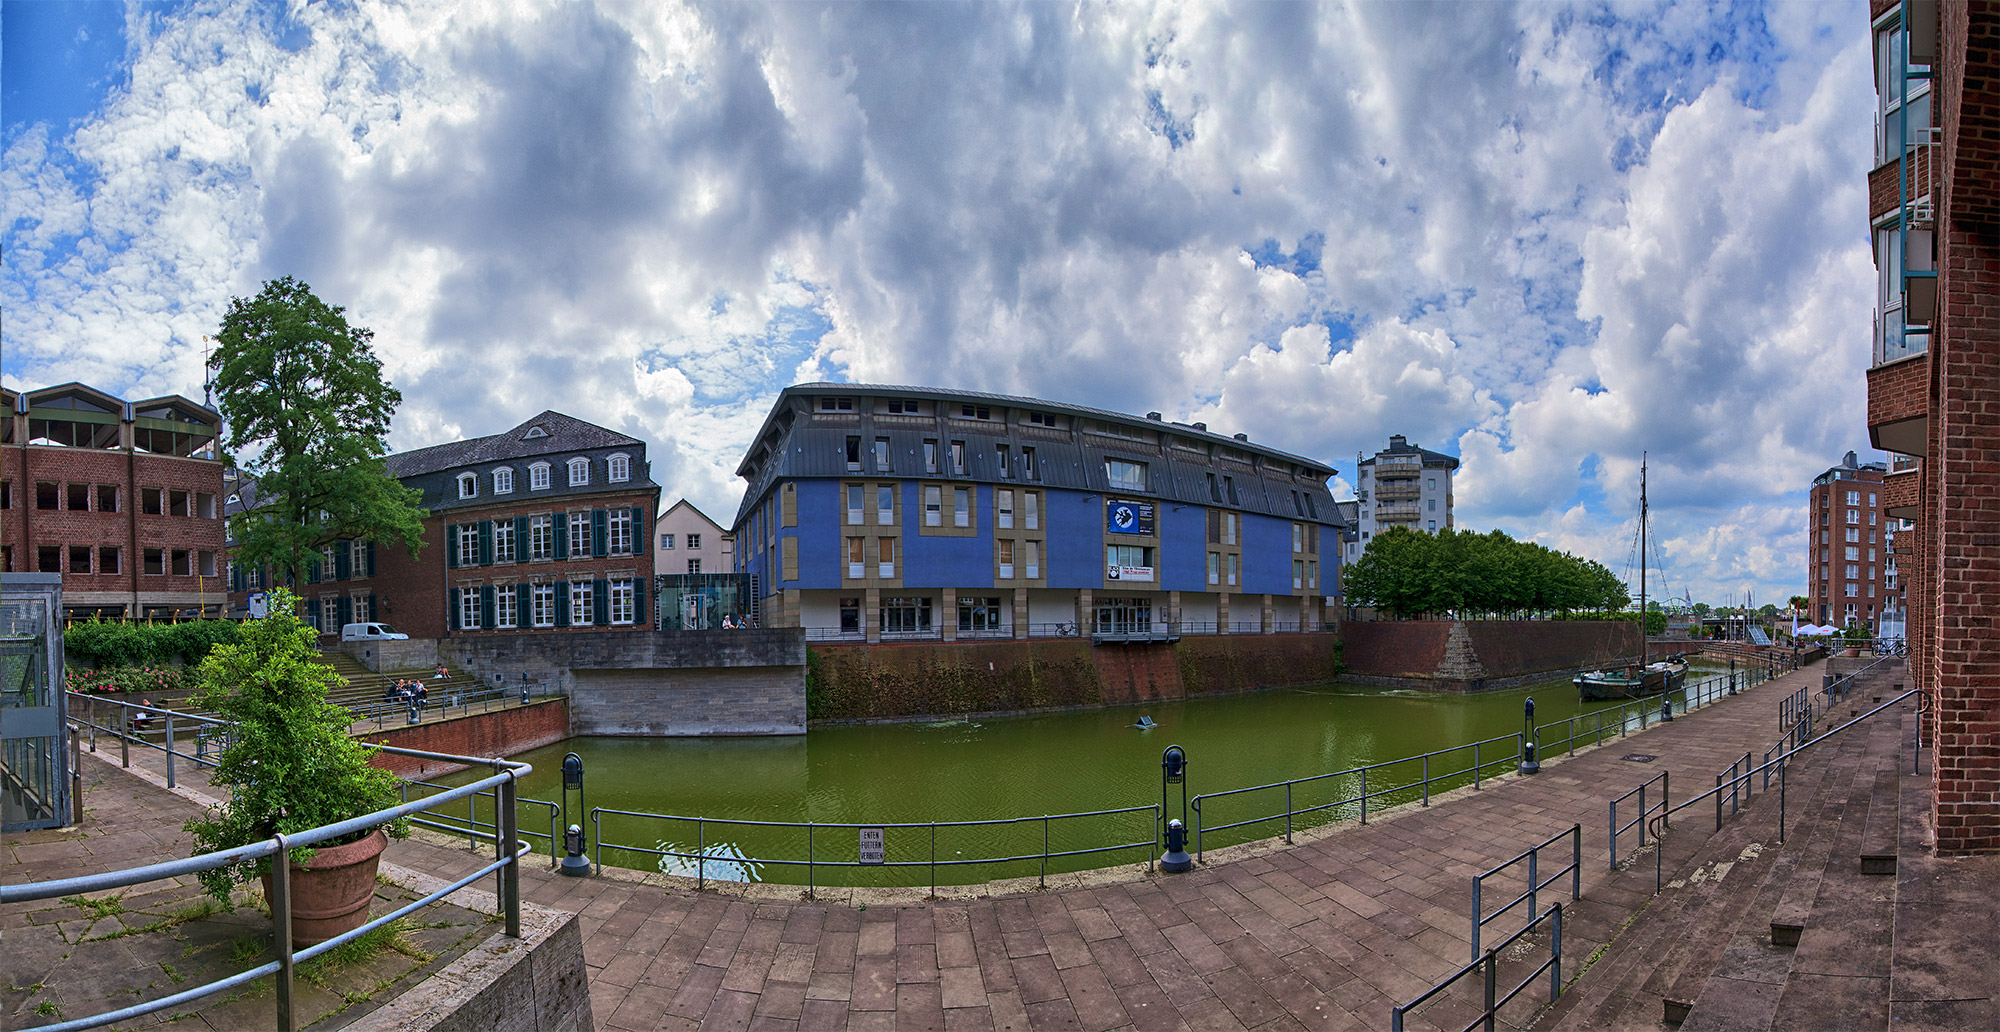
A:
x,y
1850,572
1400,486
1933,382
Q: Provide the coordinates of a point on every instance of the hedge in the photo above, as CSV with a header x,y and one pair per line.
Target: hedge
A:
x,y
119,644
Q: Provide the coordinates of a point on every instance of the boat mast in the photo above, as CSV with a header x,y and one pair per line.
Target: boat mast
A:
x,y
1642,555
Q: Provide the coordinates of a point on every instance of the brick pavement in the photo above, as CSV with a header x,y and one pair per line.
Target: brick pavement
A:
x,y
1329,933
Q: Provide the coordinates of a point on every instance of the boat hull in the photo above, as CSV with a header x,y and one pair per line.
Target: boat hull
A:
x,y
1656,679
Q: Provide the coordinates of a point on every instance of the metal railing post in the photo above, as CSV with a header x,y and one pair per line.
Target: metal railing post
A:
x,y
170,748
1364,795
510,875
1288,813
1045,855
281,922
1614,834
1534,878
1492,977
1576,861
809,861
1643,811
1477,923
1475,766
1781,799
1556,955
1427,779
701,853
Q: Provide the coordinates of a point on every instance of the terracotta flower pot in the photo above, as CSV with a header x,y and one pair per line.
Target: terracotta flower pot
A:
x,y
330,895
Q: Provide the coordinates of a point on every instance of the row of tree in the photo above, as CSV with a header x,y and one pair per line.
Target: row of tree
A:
x,y
1409,574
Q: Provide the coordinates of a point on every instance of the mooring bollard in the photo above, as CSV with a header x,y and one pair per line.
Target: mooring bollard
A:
x,y
1666,708
1529,764
574,863
1173,771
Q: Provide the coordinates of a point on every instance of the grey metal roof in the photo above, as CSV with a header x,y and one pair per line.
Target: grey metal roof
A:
x,y
563,434
1398,445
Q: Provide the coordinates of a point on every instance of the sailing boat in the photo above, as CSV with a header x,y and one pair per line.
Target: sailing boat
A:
x,y
1640,679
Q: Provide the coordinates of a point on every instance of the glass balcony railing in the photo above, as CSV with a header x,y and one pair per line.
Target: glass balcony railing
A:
x,y
1893,341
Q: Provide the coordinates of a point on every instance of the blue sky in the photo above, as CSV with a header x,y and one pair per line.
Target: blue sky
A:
x,y
1544,237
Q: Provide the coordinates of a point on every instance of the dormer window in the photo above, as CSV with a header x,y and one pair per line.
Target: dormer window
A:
x,y
534,432
538,477
579,472
836,404
468,485
619,469
503,480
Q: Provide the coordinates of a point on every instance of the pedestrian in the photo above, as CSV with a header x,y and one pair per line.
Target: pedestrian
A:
x,y
142,720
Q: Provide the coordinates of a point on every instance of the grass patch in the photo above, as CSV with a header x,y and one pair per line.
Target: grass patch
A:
x,y
107,906
391,938
244,950
176,976
48,1009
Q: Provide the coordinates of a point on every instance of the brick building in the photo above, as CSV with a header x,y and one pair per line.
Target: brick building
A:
x,y
898,513
540,528
121,498
1850,572
1934,382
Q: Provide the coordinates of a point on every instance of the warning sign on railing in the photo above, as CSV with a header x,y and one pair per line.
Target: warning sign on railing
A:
x,y
873,849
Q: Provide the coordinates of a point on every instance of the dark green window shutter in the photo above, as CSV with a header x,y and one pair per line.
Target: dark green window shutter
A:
x,y
450,546
600,602
561,524
345,607
343,562
639,600
371,608
598,546
485,542
486,606
371,558
562,603
524,614
520,539
451,608
312,573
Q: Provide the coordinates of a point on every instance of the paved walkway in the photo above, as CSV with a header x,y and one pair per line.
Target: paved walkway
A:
x,y
1327,934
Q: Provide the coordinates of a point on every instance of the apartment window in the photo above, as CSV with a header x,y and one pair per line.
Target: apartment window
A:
x,y
180,503
694,541
329,613
979,614
183,562
581,611
541,539
204,563
881,455
6,490
1229,488
579,535
79,558
836,404
1431,504
1128,558
107,559
1028,468
1853,571
854,500
1312,573
618,529
853,455
468,544
886,557
1229,528
975,412
1003,456
543,600
1871,498
152,501
624,610
1298,538
79,497
1853,591
1234,569
1433,525
107,498
930,455
468,609
1031,558
906,615
1004,505
1854,517
1006,547
933,505
1312,508
1854,534
885,505
958,458
579,472
856,562
503,541
961,512
1871,517
850,616
503,481
694,565
1854,498
666,542
468,485
1124,475
1215,567
1298,574
538,477
902,407
618,469
1871,555
506,607
1853,554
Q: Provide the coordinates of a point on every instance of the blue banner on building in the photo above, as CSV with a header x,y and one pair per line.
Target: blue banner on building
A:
x,y
1128,517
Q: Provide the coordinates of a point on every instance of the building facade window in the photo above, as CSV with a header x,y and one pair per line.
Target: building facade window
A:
x,y
694,540
906,615
856,563
977,615
538,477
885,558
623,610
503,480
543,598
961,506
468,485
579,534
581,613
881,455
1006,548
666,542
618,532
618,469
1124,475
579,472
329,613
933,505
1003,504
468,544
506,607
468,609
856,495
541,539
885,505
503,541
694,566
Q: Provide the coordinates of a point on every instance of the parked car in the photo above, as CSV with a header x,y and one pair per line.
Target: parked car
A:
x,y
371,632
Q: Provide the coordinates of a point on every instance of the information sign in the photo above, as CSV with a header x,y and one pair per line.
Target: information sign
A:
x,y
873,848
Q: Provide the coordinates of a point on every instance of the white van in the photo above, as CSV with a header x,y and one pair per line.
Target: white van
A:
x,y
370,632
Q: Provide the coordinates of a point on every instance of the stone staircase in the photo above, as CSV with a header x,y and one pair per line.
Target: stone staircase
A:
x,y
1752,933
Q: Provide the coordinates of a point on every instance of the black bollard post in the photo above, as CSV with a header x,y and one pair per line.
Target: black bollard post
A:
x,y
1529,763
1666,708
1732,675
1173,771
574,863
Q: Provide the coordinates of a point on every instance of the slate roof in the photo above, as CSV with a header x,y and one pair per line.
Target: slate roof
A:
x,y
1398,445
565,434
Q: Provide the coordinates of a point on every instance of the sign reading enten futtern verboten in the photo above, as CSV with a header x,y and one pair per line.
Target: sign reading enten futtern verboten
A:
x,y
873,849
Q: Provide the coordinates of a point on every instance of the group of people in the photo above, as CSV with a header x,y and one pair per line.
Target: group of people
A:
x,y
730,623
406,692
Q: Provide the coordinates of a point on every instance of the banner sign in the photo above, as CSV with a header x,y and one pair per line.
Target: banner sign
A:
x,y
1124,517
1129,573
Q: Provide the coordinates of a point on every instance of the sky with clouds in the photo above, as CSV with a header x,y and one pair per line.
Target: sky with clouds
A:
x,y
1543,237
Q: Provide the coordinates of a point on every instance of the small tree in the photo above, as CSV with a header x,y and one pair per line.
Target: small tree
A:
x,y
290,764
304,390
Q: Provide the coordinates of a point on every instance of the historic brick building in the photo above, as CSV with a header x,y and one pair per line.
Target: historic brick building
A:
x,y
1850,572
121,498
540,528
1934,378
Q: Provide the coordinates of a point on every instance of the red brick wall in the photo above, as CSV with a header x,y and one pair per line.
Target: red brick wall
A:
x,y
1504,648
1395,648
1899,391
502,733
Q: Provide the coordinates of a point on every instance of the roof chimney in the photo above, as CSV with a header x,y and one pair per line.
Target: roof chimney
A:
x,y
1851,460
1201,426
1154,416
1242,437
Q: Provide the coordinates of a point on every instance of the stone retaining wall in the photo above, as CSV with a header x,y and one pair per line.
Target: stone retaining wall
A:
x,y
1483,655
499,733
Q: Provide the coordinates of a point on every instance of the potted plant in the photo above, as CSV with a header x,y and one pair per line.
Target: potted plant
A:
x,y
1856,638
291,766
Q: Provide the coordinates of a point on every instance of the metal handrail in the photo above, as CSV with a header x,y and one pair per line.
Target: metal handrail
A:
x,y
702,858
1490,964
1666,789
475,829
505,866
1532,855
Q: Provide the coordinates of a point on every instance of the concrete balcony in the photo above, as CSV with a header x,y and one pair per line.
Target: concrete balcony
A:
x,y
1900,494
1899,405
1398,469
1399,491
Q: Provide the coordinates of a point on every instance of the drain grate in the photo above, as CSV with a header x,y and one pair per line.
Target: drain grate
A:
x,y
1638,757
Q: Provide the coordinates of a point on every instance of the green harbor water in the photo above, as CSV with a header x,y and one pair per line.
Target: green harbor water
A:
x,y
1000,769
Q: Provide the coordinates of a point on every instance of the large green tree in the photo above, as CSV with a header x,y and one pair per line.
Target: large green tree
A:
x,y
302,394
1406,573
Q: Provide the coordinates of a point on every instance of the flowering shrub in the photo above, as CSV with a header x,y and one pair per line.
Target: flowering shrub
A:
x,y
130,681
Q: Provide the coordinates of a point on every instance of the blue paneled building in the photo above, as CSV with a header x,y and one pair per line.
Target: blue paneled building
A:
x,y
885,513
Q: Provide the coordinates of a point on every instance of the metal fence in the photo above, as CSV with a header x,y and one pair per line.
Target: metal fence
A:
x,y
504,868
1158,630
1532,855
1489,967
